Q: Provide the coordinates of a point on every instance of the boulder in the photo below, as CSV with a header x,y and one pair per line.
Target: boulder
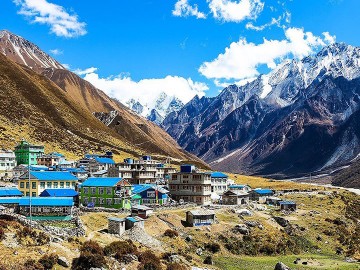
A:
x,y
199,251
174,259
241,228
63,262
188,238
251,223
281,266
282,221
208,260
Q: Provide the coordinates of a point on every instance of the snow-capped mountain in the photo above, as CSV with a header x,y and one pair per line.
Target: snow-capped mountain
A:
x,y
299,118
157,109
24,52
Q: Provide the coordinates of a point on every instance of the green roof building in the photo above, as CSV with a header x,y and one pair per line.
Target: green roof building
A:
x,y
27,153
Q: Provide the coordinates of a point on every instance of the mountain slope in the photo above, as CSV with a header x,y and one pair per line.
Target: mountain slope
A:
x,y
297,119
72,102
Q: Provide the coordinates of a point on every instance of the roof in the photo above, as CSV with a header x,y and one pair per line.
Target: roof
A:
x,y
59,192
46,201
103,182
132,219
104,160
218,175
116,219
202,212
287,202
100,172
263,191
52,176
140,188
135,197
141,207
237,186
9,192
10,200
38,168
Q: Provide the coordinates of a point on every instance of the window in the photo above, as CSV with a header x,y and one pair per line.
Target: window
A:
x,y
27,194
42,184
117,201
67,184
73,184
86,190
33,194
27,185
108,201
56,184
93,190
22,185
101,201
33,185
86,201
61,184
48,184
101,190
93,200
108,191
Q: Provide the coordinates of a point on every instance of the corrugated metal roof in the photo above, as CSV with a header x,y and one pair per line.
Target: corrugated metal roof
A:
x,y
140,188
10,200
287,202
263,191
116,219
218,175
46,201
132,219
141,207
59,192
9,192
237,186
52,176
202,212
103,182
104,160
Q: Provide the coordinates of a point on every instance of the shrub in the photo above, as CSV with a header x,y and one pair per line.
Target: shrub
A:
x,y
213,247
92,247
149,261
88,260
33,265
171,233
120,248
176,266
2,234
48,261
208,260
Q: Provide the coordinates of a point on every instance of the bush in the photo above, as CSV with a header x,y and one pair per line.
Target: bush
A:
x,y
171,233
40,238
208,260
48,261
33,265
213,247
176,266
92,247
2,234
149,261
91,255
120,248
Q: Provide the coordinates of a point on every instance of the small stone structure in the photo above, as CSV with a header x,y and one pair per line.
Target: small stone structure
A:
x,y
200,217
116,225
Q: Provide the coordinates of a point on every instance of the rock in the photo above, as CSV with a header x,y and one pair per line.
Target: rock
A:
x,y
241,228
41,252
251,223
188,238
297,260
304,263
244,212
128,258
63,262
282,221
208,260
281,266
350,260
260,226
319,238
174,259
57,240
15,252
199,251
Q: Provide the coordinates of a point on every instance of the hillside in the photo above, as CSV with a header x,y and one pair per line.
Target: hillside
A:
x,y
67,104
348,177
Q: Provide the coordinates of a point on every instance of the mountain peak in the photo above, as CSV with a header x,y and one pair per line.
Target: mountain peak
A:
x,y
25,52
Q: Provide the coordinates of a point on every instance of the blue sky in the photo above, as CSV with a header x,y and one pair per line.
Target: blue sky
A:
x,y
139,48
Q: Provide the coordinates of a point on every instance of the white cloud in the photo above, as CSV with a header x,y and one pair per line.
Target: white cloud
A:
x,y
146,91
329,38
85,71
184,9
60,21
56,52
242,59
67,66
286,17
235,11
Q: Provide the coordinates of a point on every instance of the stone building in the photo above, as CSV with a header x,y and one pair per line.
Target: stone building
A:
x,y
189,185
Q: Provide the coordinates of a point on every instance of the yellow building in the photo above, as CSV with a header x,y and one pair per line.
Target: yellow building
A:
x,y
39,181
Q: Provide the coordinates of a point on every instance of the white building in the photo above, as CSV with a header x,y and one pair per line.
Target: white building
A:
x,y
218,182
7,163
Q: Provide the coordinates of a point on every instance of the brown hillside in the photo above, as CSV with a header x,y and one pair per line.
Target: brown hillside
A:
x,y
33,107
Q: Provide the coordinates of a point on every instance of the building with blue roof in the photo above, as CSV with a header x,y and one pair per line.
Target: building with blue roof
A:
x,y
10,192
256,194
46,206
151,194
218,182
287,205
111,192
42,180
61,192
239,187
